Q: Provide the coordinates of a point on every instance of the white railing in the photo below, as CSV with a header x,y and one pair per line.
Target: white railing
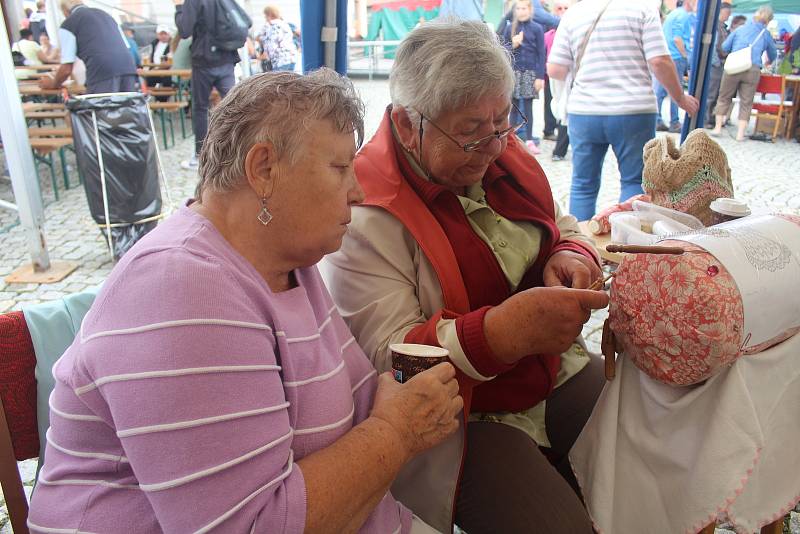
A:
x,y
368,57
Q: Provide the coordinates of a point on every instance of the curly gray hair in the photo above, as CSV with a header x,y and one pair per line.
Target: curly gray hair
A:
x,y
446,64
275,107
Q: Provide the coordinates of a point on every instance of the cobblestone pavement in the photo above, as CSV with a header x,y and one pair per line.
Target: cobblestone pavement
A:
x,y
764,174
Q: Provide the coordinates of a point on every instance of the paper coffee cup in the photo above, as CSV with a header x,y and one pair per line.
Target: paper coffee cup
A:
x,y
728,209
409,359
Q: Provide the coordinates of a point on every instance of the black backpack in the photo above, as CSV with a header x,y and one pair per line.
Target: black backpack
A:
x,y
231,26
19,59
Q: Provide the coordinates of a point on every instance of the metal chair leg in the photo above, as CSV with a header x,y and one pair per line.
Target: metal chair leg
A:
x,y
64,173
163,127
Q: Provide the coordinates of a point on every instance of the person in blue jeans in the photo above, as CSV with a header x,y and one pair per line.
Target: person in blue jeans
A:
x,y
678,29
610,105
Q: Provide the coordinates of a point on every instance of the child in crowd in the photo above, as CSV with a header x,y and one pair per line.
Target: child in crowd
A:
x,y
526,41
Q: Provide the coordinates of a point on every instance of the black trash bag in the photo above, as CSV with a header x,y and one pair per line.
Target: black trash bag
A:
x,y
129,160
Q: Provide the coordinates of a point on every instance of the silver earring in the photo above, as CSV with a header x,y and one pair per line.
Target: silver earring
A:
x,y
264,216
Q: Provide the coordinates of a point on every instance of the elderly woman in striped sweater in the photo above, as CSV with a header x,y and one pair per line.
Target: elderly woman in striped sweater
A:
x,y
214,386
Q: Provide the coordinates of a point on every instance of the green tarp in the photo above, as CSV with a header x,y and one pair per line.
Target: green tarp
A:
x,y
779,6
393,25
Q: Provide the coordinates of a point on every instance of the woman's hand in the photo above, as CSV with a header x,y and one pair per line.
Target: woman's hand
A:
x,y
570,269
541,320
538,85
516,40
423,410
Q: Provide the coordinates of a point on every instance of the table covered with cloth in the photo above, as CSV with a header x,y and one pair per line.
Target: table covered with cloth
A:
x,y
680,457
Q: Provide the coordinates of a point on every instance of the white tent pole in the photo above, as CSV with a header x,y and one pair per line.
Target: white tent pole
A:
x,y
54,18
14,14
17,148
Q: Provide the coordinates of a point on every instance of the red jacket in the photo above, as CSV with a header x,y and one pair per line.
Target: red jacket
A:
x,y
517,188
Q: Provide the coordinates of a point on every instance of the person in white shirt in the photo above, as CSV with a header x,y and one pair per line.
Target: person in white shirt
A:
x,y
32,52
160,53
612,102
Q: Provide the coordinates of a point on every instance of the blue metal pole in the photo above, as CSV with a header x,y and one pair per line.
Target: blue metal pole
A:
x,y
705,31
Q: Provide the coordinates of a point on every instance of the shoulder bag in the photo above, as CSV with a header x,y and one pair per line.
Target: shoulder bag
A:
x,y
561,89
741,60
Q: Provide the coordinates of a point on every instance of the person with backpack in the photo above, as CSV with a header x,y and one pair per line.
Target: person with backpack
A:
x,y
218,29
277,40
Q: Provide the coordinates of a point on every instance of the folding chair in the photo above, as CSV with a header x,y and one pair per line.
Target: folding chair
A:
x,y
30,343
19,435
778,111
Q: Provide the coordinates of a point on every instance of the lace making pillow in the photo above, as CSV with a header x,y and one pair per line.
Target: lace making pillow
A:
x,y
683,318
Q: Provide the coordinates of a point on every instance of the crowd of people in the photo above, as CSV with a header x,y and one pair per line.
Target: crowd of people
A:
x,y
234,372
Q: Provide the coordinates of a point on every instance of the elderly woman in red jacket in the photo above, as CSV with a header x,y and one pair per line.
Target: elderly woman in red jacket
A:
x,y
460,244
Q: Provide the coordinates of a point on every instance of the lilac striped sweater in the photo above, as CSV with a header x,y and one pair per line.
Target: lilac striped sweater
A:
x,y
192,390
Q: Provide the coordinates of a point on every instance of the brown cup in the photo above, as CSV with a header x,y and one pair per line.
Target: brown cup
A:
x,y
409,359
727,209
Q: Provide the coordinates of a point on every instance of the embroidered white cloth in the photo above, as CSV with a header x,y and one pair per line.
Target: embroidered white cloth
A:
x,y
678,457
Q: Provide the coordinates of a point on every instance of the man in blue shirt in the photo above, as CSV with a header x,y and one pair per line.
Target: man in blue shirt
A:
x,y
678,29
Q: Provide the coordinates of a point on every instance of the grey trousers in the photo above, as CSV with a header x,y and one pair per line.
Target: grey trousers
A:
x,y
204,79
509,486
746,83
714,79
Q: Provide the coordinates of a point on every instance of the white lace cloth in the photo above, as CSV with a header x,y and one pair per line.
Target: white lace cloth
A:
x,y
679,457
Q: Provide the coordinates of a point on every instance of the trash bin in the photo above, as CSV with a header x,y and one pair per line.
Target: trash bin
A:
x,y
122,185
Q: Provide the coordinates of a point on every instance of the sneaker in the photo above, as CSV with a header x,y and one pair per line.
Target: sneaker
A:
x,y
661,127
556,157
533,148
675,128
550,137
190,164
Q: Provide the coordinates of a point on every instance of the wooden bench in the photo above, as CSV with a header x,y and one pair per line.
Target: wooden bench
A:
x,y
163,91
49,132
43,106
164,111
46,115
43,148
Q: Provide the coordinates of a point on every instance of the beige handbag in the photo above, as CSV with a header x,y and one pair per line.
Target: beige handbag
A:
x,y
741,60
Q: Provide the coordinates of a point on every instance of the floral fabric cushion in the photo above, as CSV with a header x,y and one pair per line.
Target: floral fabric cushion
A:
x,y
680,318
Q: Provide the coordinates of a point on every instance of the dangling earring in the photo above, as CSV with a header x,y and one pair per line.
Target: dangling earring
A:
x,y
264,216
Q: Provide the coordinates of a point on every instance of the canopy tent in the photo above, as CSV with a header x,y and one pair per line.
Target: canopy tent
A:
x,y
391,21
779,6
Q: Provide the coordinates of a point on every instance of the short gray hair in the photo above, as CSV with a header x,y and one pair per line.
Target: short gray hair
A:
x,y
276,107
764,14
69,4
445,64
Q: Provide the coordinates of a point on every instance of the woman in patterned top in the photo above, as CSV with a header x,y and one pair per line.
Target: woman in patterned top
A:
x,y
277,40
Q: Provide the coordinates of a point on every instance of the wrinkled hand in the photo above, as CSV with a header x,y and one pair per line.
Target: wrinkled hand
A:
x,y
570,269
541,320
538,84
423,410
689,104
516,40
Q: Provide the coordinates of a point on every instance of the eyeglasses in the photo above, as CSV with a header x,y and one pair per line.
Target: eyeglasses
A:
x,y
478,143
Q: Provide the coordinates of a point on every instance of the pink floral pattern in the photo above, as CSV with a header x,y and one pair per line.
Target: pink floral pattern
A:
x,y
678,320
